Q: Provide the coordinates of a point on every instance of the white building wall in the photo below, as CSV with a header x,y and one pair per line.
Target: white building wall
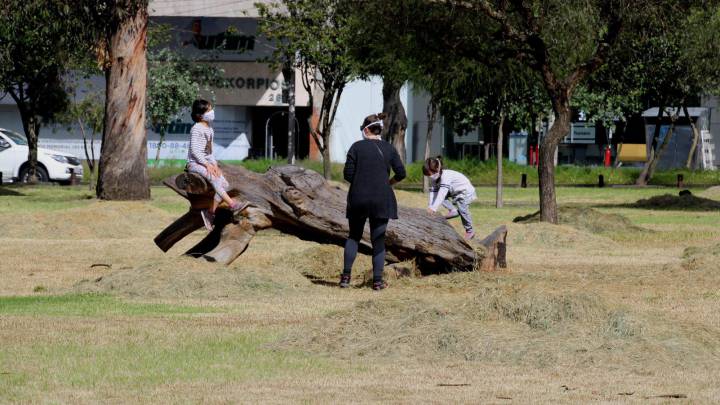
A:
x,y
359,99
712,103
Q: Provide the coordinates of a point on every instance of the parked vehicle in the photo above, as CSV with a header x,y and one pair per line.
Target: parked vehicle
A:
x,y
52,165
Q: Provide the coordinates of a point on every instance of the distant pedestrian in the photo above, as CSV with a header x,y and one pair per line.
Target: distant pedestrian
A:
x,y
202,161
371,196
452,190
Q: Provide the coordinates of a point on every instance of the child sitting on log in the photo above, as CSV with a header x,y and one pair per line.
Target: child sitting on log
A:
x,y
202,162
452,190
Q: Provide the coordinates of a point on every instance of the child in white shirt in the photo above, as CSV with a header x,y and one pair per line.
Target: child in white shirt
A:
x,y
452,190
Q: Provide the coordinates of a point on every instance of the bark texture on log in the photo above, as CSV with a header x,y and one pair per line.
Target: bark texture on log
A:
x,y
300,202
122,172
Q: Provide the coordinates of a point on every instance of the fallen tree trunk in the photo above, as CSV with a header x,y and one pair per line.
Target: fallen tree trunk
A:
x,y
300,202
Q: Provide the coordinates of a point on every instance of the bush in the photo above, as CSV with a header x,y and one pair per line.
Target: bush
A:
x,y
481,173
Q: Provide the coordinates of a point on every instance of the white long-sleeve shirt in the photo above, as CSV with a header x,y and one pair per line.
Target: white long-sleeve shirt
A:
x,y
453,184
200,148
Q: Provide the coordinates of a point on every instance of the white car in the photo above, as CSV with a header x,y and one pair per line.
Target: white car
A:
x,y
52,165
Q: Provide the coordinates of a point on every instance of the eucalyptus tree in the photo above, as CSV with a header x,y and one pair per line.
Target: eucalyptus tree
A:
x,y
119,29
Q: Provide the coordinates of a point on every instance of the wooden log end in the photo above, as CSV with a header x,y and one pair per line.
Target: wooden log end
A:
x,y
492,251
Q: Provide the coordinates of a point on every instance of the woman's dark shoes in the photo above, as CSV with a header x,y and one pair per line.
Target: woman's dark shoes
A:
x,y
344,281
379,285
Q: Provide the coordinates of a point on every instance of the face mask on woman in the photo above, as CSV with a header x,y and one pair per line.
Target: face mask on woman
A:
x,y
209,116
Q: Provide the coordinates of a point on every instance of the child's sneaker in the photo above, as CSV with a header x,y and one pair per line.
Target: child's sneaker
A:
x,y
379,285
452,214
469,234
238,206
208,219
344,281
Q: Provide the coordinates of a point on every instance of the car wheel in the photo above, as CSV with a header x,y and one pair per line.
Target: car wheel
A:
x,y
41,173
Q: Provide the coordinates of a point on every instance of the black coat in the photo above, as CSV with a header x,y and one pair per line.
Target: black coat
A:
x,y
367,169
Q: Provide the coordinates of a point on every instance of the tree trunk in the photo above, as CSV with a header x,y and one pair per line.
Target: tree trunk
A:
x,y
432,117
696,138
327,163
643,179
159,146
122,173
499,189
300,202
396,121
31,125
89,154
546,167
657,156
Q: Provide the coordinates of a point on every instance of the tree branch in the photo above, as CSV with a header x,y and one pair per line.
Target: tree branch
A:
x,y
604,44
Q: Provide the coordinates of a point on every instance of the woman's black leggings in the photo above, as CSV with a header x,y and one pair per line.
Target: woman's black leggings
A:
x,y
378,226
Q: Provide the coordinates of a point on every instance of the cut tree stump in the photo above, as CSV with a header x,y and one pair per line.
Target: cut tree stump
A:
x,y
300,202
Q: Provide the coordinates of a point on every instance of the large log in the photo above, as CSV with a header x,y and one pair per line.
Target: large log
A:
x,y
300,202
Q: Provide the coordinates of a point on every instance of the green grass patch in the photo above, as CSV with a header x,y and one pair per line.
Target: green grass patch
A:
x,y
17,198
88,305
140,360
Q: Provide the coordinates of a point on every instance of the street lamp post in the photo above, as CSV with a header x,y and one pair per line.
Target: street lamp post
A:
x,y
269,148
289,76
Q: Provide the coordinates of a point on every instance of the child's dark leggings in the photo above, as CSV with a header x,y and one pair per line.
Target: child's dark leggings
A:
x,y
378,226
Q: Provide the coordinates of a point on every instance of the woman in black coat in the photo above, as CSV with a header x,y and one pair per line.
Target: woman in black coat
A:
x,y
367,169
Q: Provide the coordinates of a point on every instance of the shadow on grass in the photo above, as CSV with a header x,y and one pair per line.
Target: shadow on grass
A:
x,y
4,191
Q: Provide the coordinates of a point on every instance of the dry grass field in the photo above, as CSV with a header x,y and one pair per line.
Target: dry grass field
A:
x,y
620,303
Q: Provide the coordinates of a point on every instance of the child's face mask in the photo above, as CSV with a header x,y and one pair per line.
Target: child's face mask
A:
x,y
435,176
209,116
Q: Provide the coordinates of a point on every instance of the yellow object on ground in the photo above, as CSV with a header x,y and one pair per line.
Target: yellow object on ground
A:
x,y
632,152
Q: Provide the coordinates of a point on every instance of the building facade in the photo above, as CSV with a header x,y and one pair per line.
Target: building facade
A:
x,y
251,104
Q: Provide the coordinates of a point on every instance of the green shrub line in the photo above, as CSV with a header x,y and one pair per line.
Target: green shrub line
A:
x,y
481,173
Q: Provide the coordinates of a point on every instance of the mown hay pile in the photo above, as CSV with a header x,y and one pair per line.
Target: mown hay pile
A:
x,y
322,264
503,324
677,202
186,277
705,258
712,193
586,219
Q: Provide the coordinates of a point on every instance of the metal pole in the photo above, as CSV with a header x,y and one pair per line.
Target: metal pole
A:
x,y
289,75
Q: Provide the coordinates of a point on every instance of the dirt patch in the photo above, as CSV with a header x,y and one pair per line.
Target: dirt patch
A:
x,y
586,219
677,202
191,278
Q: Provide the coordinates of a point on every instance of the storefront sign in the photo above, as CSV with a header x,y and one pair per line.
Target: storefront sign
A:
x,y
254,84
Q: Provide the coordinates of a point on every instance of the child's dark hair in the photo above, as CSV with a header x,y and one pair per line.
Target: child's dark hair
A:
x,y
374,129
433,165
199,108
